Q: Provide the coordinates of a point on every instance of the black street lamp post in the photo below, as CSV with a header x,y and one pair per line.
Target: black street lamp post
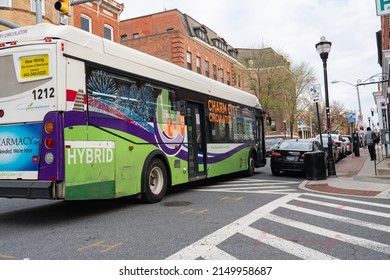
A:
x,y
323,49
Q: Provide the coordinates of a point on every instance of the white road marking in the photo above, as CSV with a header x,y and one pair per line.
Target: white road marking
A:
x,y
344,207
285,245
369,244
207,243
338,218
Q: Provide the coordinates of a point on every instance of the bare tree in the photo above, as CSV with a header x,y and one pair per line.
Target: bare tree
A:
x,y
338,118
298,98
269,76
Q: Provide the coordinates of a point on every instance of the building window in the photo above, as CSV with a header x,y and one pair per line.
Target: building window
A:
x,y
273,126
123,37
170,29
220,45
201,34
228,78
198,68
33,5
6,3
189,61
207,68
135,35
86,23
239,81
215,72
108,32
221,75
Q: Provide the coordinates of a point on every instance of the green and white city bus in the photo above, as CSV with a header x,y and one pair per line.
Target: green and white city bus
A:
x,y
83,118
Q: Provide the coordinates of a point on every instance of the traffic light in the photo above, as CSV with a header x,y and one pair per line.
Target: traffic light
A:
x,y
63,6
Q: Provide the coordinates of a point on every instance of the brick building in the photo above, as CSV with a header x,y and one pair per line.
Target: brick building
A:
x,y
22,12
99,17
180,39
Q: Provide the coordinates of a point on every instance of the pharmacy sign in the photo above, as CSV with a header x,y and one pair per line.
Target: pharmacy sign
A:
x,y
382,7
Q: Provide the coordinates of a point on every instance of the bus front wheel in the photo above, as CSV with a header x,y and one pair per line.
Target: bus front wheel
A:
x,y
155,181
251,165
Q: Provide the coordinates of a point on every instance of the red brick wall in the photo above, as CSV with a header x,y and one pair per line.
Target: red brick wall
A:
x,y
385,32
152,24
99,16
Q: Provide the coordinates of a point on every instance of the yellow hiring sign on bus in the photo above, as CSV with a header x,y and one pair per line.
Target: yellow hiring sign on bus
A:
x,y
34,66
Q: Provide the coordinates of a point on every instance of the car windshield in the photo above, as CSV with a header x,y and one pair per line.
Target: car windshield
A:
x,y
271,142
295,145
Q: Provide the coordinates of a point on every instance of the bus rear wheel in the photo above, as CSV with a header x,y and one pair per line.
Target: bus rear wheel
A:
x,y
155,181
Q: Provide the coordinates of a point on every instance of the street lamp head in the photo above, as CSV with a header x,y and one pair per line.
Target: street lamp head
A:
x,y
323,48
335,82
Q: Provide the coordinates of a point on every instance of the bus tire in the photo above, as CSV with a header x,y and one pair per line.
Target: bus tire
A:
x,y
155,181
251,165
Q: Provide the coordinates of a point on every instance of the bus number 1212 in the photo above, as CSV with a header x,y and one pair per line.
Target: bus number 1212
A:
x,y
43,93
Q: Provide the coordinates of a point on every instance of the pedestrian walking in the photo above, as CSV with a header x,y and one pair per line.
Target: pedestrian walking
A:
x,y
369,141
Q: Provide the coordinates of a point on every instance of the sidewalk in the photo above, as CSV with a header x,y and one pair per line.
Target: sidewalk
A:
x,y
354,176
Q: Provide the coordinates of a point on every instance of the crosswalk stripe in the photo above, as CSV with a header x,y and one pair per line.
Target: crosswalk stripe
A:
x,y
217,254
207,243
285,245
344,207
348,200
372,245
337,218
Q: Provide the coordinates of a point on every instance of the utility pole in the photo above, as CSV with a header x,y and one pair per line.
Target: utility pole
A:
x,y
38,11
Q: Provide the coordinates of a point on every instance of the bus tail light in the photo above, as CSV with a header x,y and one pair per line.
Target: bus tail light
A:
x,y
49,158
51,164
49,142
49,127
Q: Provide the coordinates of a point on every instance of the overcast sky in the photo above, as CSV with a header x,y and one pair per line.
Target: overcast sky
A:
x,y
293,28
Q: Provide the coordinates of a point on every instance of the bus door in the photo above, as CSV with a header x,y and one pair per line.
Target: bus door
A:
x,y
197,160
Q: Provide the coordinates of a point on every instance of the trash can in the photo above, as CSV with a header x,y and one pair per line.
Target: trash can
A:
x,y
315,165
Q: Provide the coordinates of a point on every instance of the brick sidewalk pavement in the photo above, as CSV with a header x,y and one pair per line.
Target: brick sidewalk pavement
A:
x,y
346,181
351,165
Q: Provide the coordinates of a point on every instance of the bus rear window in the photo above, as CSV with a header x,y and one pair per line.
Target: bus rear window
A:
x,y
10,81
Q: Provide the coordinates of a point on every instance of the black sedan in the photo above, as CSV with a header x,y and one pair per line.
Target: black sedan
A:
x,y
290,156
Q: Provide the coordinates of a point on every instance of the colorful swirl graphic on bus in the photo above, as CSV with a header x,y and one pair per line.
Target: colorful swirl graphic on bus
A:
x,y
169,126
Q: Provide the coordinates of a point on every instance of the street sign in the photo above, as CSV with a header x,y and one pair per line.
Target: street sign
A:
x,y
303,117
351,117
382,7
315,92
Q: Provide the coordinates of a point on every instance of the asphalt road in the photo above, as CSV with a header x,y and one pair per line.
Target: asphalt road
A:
x,y
261,217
